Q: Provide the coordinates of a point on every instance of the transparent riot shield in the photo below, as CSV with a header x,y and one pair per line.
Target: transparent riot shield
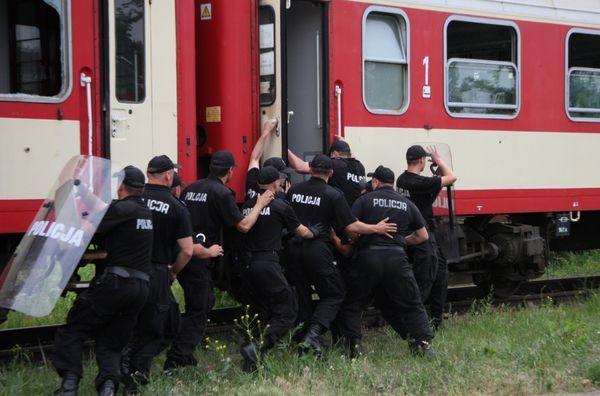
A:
x,y
447,233
52,247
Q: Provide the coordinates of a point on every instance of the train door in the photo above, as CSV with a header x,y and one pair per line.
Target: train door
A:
x,y
293,74
142,98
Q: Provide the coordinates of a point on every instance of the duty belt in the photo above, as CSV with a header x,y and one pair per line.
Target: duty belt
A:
x,y
128,273
376,247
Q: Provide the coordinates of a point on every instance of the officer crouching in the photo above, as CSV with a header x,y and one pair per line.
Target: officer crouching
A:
x,y
380,268
108,310
271,297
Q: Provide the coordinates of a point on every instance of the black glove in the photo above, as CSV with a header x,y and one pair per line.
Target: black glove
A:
x,y
318,230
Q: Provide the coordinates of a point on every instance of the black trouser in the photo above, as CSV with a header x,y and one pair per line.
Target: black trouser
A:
x,y
271,297
387,276
439,289
196,282
107,312
157,323
310,262
423,258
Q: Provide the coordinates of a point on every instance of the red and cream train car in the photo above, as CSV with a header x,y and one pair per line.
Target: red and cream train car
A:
x,y
512,88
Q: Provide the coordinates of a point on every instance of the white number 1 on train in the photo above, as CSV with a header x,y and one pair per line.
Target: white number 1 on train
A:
x,y
426,87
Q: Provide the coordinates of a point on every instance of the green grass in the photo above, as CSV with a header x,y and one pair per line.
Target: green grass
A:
x,y
574,264
488,351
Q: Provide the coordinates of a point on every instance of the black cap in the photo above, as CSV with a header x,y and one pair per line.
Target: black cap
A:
x,y
321,161
279,164
160,164
383,174
339,145
416,152
269,174
133,177
176,180
222,159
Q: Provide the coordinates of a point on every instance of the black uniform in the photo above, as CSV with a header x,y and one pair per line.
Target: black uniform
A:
x,y
431,270
380,269
347,174
108,309
270,294
156,323
212,207
311,261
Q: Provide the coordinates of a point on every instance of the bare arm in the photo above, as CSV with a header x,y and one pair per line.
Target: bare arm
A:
x,y
303,232
297,163
248,222
383,228
448,177
417,237
202,252
186,248
345,250
258,149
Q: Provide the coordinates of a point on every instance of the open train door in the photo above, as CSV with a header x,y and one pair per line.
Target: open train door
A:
x,y
142,80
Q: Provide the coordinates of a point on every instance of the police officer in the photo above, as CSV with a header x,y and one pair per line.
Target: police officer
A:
x,y
171,226
212,206
380,267
108,309
270,295
347,170
311,261
254,164
178,185
431,270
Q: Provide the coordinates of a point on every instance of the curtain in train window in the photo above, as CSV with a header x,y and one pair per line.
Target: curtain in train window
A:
x,y
584,76
385,63
482,73
33,59
130,70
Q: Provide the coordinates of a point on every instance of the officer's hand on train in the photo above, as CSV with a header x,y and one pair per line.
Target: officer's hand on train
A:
x,y
435,156
269,126
385,228
264,199
215,251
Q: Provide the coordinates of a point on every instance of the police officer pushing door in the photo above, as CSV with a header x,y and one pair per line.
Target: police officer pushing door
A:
x,y
380,267
107,311
317,204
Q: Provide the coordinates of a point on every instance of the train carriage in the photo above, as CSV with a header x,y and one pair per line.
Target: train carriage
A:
x,y
511,88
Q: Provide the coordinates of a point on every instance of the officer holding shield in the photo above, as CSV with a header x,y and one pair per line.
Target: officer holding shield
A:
x,y
107,311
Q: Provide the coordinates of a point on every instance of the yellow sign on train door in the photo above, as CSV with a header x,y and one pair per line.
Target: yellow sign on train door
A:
x,y
205,11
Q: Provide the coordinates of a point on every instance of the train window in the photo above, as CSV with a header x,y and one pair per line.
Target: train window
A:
x,y
482,72
130,73
385,60
268,92
583,75
33,50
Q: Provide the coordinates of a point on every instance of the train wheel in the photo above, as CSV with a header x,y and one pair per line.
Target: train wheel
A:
x,y
498,286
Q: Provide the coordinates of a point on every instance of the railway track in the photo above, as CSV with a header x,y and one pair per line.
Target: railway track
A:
x,y
38,340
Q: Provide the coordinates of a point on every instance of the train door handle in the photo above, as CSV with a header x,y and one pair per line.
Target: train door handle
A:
x,y
290,114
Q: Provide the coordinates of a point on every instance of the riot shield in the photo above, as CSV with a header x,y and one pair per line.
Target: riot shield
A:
x,y
54,243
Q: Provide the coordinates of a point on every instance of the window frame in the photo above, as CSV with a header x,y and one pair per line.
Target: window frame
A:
x,y
398,13
485,21
67,67
568,71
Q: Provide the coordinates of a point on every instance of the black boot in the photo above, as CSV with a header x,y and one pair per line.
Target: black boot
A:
x,y
250,354
108,388
312,339
69,386
354,348
422,348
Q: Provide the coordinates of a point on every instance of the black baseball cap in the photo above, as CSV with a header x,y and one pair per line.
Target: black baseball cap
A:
x,y
161,163
176,180
269,174
339,145
222,159
134,177
279,164
383,174
416,152
321,161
